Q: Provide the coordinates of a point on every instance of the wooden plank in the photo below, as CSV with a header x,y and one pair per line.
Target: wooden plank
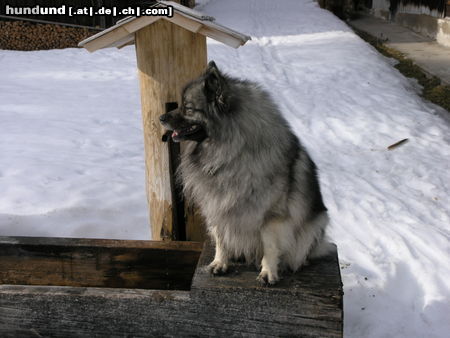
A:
x,y
119,23
99,263
168,56
118,36
127,43
313,295
88,312
128,40
104,40
51,311
186,11
182,21
232,305
99,242
221,36
139,23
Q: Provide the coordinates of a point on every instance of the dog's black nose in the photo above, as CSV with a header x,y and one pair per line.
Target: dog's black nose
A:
x,y
163,118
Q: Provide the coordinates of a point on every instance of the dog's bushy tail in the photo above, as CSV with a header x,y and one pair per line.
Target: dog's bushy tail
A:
x,y
323,246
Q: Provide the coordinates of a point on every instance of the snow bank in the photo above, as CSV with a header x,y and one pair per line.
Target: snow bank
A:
x,y
71,145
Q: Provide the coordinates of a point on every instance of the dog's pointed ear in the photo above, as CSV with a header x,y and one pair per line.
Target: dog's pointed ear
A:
x,y
211,64
213,81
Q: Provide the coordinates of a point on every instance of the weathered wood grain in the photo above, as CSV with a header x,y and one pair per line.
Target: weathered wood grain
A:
x,y
310,298
168,56
100,263
305,304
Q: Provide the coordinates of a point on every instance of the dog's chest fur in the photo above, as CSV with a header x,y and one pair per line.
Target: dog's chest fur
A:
x,y
213,184
231,198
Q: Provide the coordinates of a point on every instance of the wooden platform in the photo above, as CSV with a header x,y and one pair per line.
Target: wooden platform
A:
x,y
89,287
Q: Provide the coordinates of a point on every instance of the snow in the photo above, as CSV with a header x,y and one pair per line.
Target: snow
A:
x,y
71,153
71,145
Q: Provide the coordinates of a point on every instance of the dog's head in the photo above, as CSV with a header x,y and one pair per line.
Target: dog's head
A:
x,y
201,102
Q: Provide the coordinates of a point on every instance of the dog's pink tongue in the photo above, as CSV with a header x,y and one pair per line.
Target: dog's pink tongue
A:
x,y
174,134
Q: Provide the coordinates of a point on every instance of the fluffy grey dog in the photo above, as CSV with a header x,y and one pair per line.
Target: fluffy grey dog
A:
x,y
252,180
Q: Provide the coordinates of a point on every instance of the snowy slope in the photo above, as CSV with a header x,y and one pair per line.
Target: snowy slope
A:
x,y
71,153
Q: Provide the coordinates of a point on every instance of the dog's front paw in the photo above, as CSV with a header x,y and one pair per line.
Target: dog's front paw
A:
x,y
217,268
267,278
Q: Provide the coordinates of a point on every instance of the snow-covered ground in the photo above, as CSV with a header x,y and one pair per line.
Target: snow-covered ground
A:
x,y
71,153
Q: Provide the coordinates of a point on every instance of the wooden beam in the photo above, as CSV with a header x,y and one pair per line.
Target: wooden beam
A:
x,y
127,40
139,23
168,56
97,263
182,21
105,40
126,43
221,36
309,301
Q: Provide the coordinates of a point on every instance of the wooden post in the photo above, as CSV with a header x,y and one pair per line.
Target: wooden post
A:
x,y
168,56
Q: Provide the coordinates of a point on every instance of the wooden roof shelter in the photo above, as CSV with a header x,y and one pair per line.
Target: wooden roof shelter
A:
x,y
122,34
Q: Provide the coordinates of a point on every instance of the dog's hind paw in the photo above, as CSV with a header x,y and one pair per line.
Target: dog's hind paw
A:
x,y
265,278
217,268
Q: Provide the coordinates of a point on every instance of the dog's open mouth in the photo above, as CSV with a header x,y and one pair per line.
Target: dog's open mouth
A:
x,y
194,132
185,131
